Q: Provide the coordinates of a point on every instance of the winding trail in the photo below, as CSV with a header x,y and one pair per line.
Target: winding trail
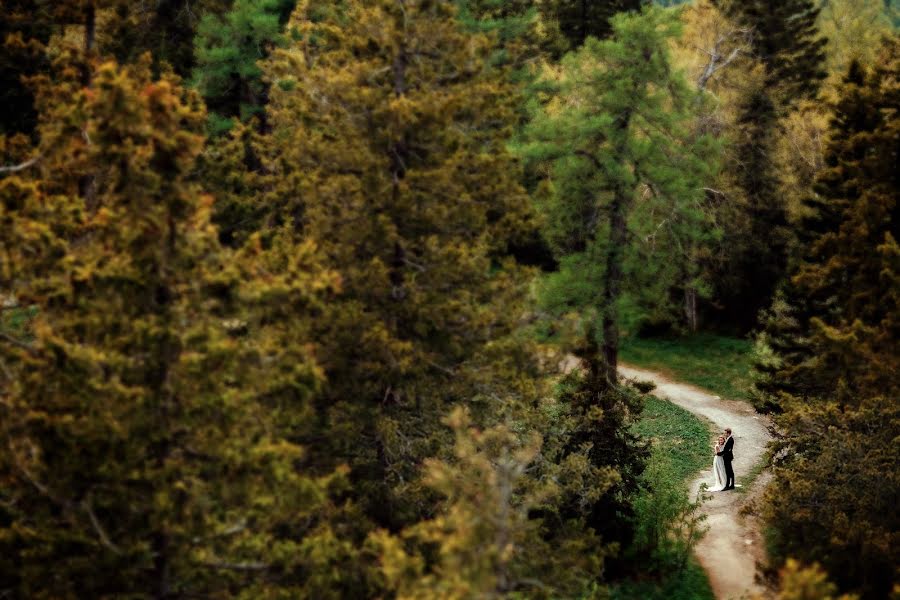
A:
x,y
731,548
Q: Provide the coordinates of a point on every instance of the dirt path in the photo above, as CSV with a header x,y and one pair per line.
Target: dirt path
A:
x,y
731,548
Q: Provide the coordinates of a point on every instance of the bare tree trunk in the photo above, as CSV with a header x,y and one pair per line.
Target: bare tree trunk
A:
x,y
690,308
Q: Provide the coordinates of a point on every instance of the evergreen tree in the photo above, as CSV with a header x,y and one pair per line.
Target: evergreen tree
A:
x,y
838,389
165,29
621,153
228,49
388,133
785,40
488,541
806,583
147,405
525,31
843,277
25,28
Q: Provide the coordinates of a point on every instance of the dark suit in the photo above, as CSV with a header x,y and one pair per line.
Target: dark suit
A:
x,y
727,455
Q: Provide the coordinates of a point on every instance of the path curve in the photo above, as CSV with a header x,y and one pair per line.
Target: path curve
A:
x,y
731,548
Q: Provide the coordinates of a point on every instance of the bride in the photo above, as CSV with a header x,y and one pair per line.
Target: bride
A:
x,y
719,467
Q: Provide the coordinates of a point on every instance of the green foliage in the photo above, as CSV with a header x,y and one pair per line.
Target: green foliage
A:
x,y
807,583
691,583
228,48
485,542
786,43
147,412
524,34
676,435
836,324
667,522
403,180
127,30
720,364
854,29
599,431
618,151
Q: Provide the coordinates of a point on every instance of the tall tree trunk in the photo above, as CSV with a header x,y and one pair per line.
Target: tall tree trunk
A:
x,y
690,308
615,257
618,236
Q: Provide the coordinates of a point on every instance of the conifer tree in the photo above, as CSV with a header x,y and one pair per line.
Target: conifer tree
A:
x,y
165,29
785,39
228,49
621,153
838,388
488,542
388,131
147,405
23,33
844,277
525,31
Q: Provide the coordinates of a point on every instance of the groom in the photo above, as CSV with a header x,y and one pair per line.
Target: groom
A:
x,y
727,455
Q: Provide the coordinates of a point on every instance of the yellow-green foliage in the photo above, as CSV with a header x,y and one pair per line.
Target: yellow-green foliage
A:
x,y
147,409
483,542
388,128
834,336
807,583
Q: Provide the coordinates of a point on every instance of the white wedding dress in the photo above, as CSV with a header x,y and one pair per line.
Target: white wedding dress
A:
x,y
719,477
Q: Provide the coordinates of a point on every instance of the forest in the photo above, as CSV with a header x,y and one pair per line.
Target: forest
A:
x,y
339,299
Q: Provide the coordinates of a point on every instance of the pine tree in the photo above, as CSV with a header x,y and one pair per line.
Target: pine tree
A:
x,y
147,404
488,542
165,29
228,49
621,153
844,275
844,303
807,583
785,40
24,31
524,32
388,131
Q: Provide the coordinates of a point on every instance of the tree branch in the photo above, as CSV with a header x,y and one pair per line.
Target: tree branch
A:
x,y
20,166
243,566
101,533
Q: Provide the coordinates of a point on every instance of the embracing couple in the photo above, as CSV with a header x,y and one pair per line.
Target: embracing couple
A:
x,y
722,470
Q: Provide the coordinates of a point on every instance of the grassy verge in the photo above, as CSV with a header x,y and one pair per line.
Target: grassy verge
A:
x,y
680,448
677,434
716,363
691,584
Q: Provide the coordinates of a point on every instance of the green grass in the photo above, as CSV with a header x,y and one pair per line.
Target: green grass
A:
x,y
690,584
681,447
678,434
717,363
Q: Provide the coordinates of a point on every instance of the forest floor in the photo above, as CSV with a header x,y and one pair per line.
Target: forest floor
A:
x,y
731,549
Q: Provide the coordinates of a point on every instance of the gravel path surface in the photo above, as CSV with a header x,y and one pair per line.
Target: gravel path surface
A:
x,y
731,548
